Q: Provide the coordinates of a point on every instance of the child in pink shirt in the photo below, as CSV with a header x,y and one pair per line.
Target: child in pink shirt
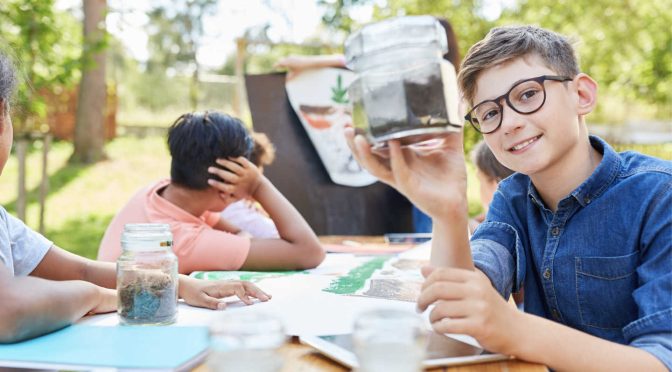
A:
x,y
209,171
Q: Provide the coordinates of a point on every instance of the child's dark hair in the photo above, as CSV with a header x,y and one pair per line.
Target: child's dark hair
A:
x,y
485,160
196,140
263,152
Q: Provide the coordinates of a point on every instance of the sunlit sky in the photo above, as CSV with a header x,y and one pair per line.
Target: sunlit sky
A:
x,y
289,20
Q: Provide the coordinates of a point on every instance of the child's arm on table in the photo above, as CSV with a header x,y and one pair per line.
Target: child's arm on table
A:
x,y
59,264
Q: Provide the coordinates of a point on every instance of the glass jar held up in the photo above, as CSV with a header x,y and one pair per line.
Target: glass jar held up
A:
x,y
147,276
404,89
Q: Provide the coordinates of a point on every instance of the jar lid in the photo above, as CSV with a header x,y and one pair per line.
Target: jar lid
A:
x,y
395,33
146,237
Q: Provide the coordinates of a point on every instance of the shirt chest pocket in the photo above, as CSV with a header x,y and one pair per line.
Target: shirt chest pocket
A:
x,y
604,288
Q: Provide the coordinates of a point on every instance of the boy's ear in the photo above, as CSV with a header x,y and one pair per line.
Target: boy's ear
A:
x,y
586,89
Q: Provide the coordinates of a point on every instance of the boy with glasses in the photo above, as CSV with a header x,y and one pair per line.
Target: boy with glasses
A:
x,y
586,231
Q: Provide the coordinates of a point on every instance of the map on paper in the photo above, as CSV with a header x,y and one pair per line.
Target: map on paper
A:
x,y
391,278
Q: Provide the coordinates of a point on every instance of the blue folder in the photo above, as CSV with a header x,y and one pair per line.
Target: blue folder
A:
x,y
124,347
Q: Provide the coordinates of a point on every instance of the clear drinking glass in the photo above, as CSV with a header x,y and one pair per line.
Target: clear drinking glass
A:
x,y
245,341
387,340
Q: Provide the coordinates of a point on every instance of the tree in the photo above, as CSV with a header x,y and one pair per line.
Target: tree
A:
x,y
46,44
625,45
175,33
91,104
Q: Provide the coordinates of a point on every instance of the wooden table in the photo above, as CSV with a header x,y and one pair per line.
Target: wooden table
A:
x,y
302,358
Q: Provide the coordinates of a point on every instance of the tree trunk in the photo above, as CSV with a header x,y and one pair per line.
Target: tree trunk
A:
x,y
91,104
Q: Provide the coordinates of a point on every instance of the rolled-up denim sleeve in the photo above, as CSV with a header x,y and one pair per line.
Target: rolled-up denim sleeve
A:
x,y
497,251
653,334
652,330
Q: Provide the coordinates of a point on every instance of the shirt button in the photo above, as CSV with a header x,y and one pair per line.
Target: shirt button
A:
x,y
556,314
547,274
586,200
555,231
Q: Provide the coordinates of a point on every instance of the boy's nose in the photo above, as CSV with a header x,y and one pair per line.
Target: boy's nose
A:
x,y
511,120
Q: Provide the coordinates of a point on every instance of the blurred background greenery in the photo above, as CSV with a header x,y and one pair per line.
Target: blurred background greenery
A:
x,y
625,45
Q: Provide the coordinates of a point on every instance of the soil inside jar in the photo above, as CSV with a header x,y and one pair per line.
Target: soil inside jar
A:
x,y
425,108
147,297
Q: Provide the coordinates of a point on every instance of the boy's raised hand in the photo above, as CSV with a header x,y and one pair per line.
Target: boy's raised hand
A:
x,y
241,178
208,294
466,303
434,179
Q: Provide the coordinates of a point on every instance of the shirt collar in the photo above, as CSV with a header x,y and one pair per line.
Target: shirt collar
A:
x,y
602,176
597,183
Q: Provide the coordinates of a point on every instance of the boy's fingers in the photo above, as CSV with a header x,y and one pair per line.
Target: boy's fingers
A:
x,y
230,165
447,274
398,162
440,291
427,270
224,188
370,161
224,174
449,309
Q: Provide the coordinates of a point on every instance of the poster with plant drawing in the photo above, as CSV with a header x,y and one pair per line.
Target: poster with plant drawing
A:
x,y
319,98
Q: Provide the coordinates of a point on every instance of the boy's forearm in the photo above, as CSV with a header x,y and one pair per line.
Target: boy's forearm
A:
x,y
450,240
566,349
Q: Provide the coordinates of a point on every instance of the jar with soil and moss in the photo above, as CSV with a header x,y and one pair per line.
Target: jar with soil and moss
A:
x,y
147,276
404,89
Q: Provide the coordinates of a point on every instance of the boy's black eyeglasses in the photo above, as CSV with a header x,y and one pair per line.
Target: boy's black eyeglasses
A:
x,y
525,97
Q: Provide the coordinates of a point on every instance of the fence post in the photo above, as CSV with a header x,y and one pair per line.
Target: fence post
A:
x,y
44,182
21,152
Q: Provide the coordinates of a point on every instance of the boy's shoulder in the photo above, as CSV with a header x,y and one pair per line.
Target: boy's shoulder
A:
x,y
636,164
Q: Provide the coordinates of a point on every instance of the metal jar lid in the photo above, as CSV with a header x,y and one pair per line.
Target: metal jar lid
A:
x,y
393,34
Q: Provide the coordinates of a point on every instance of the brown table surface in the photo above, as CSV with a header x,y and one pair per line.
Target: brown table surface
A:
x,y
300,357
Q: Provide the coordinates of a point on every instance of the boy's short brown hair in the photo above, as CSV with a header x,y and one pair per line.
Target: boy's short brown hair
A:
x,y
503,44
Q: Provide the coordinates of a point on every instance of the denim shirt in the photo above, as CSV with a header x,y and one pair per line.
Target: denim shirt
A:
x,y
602,263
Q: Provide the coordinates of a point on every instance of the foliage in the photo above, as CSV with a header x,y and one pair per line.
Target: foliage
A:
x,y
47,45
175,32
625,45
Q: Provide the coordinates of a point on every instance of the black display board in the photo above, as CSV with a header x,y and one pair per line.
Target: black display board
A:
x,y
298,172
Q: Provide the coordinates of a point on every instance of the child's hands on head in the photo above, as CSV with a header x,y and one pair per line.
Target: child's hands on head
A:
x,y
208,294
241,178
434,179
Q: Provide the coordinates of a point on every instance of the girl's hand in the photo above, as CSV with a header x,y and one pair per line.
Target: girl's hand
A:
x,y
209,294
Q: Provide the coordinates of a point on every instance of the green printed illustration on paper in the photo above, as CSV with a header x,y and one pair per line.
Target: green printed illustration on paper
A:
x,y
356,278
387,278
252,276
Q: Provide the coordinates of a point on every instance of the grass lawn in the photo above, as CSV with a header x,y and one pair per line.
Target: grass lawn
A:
x,y
83,199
